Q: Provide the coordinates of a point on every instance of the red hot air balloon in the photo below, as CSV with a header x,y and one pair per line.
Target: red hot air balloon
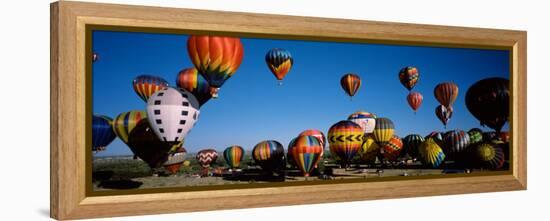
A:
x,y
216,57
207,157
350,83
446,93
444,114
415,100
392,149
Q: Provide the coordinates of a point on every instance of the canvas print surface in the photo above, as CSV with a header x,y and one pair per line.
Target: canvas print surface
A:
x,y
176,110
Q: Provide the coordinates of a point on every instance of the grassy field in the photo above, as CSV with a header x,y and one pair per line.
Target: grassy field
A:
x,y
112,173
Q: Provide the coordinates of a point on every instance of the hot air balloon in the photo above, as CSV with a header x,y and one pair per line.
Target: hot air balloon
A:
x,y
206,157
383,130
345,139
233,156
289,155
95,57
488,100
369,149
175,160
431,153
366,120
102,132
489,156
415,100
279,62
190,80
322,140
455,142
436,135
147,146
475,135
172,113
350,83
125,122
392,149
306,152
446,93
408,76
216,57
146,85
411,143
444,114
270,155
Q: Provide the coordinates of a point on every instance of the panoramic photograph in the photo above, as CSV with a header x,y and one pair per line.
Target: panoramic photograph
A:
x,y
177,110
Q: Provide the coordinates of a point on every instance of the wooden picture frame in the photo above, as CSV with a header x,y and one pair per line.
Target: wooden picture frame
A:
x,y
69,198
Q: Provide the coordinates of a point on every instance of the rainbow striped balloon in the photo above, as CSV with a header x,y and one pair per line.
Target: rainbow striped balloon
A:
x,y
350,83
191,80
233,156
306,153
270,155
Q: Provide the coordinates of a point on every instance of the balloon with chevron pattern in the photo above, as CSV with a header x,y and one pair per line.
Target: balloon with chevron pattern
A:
x,y
345,139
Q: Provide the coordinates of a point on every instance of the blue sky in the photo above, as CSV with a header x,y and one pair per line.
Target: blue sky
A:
x,y
251,106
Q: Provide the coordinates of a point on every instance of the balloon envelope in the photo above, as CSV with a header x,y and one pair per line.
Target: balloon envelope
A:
x,y
369,149
146,85
455,142
408,76
206,157
147,146
446,93
345,139
392,149
270,155
190,80
172,113
488,100
411,143
431,153
306,153
365,120
489,156
175,160
383,130
415,100
125,123
279,62
350,83
233,156
444,114
102,132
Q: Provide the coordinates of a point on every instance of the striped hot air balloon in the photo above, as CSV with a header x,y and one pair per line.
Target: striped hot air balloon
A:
x,y
383,130
415,100
431,153
102,132
411,143
446,93
216,57
350,83
322,140
233,156
476,135
444,114
175,160
306,152
392,149
289,153
489,156
147,85
125,122
369,149
190,80
270,155
345,139
206,157
408,76
455,142
366,120
279,62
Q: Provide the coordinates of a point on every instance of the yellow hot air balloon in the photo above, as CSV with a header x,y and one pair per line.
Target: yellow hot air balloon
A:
x,y
369,149
431,153
383,130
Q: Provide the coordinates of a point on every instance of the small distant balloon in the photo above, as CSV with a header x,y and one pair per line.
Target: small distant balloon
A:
x,y
279,62
147,85
444,114
233,156
350,83
415,100
408,76
206,157
95,57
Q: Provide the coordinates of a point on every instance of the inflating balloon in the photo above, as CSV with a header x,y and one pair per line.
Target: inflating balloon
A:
x,y
345,139
431,153
206,157
383,130
102,132
216,57
366,120
279,62
190,80
289,153
446,93
392,149
488,100
415,100
322,140
408,76
306,152
125,123
233,156
444,114
455,142
489,156
270,155
475,135
147,146
350,83
175,160
146,85
411,143
369,150
172,113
